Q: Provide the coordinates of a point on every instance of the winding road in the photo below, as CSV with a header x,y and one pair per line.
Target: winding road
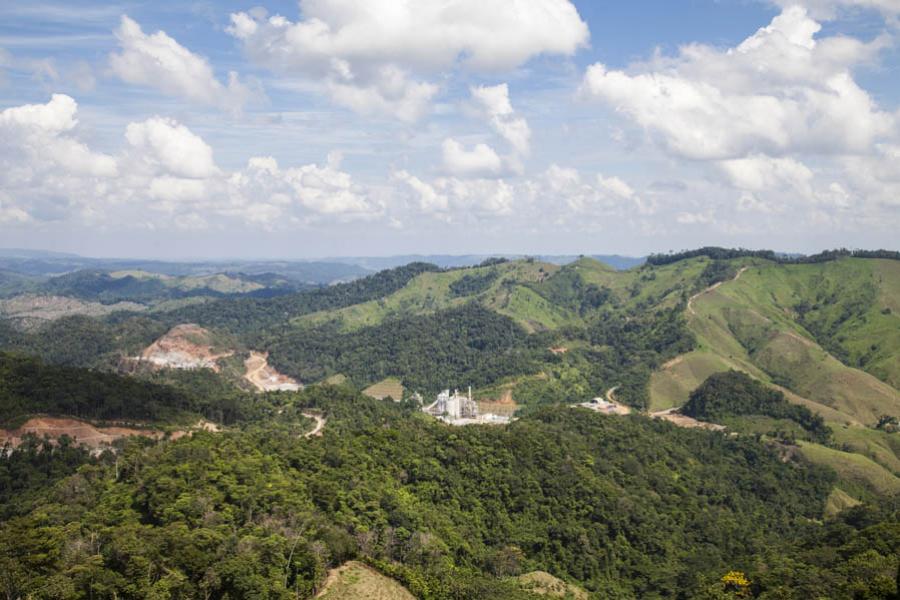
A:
x,y
320,424
690,303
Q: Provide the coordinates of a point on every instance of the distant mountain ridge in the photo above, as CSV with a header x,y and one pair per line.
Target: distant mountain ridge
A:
x,y
449,261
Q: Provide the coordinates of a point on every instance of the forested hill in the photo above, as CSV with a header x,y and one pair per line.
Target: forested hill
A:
x,y
29,386
625,507
618,329
247,315
717,253
797,498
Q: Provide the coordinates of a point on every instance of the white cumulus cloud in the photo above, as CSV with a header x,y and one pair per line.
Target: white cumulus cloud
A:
x,y
759,173
164,175
171,147
481,160
159,61
494,102
781,91
371,56
39,144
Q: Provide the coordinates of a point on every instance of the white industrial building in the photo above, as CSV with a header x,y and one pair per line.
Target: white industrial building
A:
x,y
453,406
458,409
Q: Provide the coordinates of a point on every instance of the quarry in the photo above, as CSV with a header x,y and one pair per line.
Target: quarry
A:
x,y
185,346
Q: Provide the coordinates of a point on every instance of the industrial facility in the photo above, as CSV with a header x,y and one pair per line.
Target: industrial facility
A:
x,y
458,409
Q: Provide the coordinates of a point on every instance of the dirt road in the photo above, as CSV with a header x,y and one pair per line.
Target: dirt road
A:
x,y
264,377
672,416
320,424
690,304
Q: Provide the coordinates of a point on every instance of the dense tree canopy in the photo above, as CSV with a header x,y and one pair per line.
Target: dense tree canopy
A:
x,y
735,393
628,507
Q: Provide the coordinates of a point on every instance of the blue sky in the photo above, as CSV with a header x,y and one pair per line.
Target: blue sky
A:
x,y
336,127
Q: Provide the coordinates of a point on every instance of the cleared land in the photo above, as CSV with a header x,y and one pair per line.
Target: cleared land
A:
x,y
880,446
93,436
390,387
34,309
320,421
545,584
430,292
355,581
838,500
503,405
860,475
750,324
185,346
264,377
680,420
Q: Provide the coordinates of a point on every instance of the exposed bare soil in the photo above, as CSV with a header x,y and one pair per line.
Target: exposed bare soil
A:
x,y
673,362
504,406
355,581
545,584
185,346
31,309
264,377
92,436
83,432
680,420
320,424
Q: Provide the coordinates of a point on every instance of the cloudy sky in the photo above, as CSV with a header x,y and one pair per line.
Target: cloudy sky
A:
x,y
350,127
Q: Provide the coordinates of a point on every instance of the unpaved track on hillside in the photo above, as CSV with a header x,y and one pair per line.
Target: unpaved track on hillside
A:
x,y
690,304
264,377
320,424
621,409
610,392
675,418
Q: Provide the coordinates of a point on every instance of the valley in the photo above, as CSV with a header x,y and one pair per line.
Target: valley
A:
x,y
625,414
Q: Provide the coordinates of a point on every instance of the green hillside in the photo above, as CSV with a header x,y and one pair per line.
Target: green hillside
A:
x,y
862,477
796,498
758,324
797,327
500,288
825,333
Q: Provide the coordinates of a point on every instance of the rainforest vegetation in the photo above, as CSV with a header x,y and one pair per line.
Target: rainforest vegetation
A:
x,y
733,393
627,507
789,502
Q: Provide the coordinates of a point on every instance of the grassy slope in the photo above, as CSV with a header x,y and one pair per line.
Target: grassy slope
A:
x,y
872,337
530,309
389,387
880,446
860,476
356,581
837,501
218,282
643,288
544,584
749,325
651,287
430,292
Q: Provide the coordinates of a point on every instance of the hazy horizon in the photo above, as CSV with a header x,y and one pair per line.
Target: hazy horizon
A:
x,y
314,128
